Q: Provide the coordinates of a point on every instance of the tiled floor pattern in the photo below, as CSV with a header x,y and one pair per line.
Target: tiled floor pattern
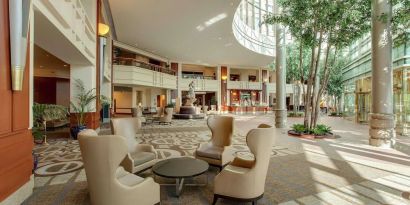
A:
x,y
342,171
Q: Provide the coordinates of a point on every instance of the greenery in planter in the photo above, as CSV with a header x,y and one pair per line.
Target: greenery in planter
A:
x,y
320,129
213,100
43,113
299,128
104,100
83,99
295,114
340,114
170,105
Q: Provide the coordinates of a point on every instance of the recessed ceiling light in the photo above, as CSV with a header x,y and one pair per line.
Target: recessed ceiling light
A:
x,y
65,65
219,38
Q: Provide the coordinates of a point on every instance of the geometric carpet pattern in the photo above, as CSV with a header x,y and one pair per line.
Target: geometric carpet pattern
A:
x,y
294,177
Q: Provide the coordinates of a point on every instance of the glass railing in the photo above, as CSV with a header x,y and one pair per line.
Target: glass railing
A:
x,y
141,64
249,29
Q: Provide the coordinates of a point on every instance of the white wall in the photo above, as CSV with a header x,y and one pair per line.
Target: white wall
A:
x,y
245,73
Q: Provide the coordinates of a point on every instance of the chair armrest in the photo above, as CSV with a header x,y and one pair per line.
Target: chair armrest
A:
x,y
128,163
146,192
145,148
240,162
227,155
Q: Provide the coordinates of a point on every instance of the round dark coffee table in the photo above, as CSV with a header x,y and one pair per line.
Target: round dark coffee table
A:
x,y
180,168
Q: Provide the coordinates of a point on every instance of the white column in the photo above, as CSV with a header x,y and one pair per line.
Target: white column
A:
x,y
179,85
219,93
280,63
134,98
382,133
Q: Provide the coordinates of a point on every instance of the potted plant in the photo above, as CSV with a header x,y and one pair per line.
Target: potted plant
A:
x,y
213,103
81,105
43,113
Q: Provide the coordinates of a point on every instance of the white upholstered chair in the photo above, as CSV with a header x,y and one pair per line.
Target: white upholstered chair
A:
x,y
137,113
244,179
167,117
218,151
108,182
140,156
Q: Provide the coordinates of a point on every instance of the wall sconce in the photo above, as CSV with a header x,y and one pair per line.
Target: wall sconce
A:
x,y
224,77
19,14
103,29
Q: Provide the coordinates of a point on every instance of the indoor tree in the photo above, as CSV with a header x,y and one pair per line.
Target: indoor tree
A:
x,y
324,27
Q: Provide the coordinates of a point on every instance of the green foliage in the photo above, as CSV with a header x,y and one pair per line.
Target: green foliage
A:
x,y
170,105
335,85
293,72
213,100
321,129
104,100
299,128
82,102
46,112
336,114
295,114
401,21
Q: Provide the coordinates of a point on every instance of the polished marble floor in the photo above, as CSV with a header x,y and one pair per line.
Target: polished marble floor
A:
x,y
332,171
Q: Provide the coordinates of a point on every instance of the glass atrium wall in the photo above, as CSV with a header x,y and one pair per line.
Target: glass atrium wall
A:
x,y
357,83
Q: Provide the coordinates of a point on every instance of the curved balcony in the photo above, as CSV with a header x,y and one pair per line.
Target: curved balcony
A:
x,y
248,29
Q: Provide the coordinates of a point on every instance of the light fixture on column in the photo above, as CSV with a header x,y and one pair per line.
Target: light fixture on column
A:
x,y
103,29
224,78
19,13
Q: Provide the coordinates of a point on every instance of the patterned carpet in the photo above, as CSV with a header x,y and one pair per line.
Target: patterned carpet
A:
x,y
294,176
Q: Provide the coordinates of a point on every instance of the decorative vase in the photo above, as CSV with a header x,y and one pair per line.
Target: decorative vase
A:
x,y
77,129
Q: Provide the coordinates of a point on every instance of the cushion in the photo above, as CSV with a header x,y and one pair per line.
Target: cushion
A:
x,y
142,157
209,151
127,178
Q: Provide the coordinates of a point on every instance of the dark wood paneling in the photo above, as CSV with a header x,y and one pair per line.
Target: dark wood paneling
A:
x,y
5,85
16,142
45,90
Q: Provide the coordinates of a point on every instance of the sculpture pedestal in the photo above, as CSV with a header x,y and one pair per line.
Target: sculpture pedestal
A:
x,y
188,112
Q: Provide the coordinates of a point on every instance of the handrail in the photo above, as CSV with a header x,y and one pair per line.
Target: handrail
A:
x,y
141,64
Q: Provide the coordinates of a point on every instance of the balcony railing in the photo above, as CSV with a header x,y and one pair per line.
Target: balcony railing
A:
x,y
141,64
244,85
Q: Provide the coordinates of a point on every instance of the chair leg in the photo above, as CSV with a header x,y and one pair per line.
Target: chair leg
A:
x,y
215,199
254,202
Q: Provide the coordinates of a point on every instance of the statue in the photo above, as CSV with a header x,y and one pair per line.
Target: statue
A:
x,y
190,98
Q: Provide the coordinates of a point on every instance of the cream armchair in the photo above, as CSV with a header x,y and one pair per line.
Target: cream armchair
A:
x,y
218,151
108,183
137,113
167,118
140,156
244,179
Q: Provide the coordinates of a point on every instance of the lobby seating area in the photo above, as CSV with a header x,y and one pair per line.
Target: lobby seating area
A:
x,y
241,180
336,171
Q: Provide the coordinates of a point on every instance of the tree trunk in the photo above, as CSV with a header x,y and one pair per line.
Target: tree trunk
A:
x,y
315,80
301,70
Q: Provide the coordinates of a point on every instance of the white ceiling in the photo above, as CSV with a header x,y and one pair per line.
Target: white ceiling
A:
x,y
193,31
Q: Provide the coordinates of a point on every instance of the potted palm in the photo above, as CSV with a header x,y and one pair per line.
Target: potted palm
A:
x,y
81,105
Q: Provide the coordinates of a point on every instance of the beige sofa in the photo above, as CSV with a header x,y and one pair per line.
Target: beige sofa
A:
x,y
244,179
108,182
140,156
218,151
